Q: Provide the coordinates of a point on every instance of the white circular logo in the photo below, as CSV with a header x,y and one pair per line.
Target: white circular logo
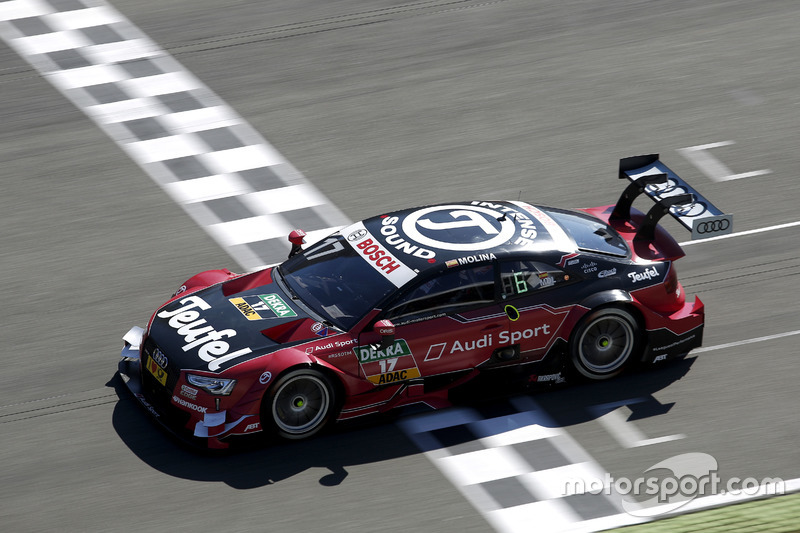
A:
x,y
489,228
265,377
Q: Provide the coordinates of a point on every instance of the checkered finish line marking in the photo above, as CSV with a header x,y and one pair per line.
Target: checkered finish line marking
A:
x,y
513,464
207,158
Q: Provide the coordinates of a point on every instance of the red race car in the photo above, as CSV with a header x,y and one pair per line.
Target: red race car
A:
x,y
410,307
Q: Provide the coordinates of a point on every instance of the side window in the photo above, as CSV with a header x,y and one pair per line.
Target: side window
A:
x,y
451,291
520,278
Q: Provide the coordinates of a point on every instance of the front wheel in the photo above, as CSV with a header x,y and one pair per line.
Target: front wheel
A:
x,y
301,403
604,342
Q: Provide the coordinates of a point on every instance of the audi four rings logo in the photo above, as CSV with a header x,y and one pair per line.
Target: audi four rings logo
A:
x,y
713,226
160,358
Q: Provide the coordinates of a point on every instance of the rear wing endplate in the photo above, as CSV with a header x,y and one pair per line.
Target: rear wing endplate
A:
x,y
672,195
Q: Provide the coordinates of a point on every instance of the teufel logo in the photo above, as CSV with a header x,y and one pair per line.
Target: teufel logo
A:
x,y
197,334
433,226
712,226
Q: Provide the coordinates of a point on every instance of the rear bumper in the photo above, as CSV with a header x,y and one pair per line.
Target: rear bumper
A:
x,y
679,333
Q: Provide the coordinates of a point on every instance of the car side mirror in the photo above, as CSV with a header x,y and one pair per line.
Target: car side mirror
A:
x,y
385,329
296,238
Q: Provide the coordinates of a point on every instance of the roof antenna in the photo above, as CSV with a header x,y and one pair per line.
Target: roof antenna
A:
x,y
519,195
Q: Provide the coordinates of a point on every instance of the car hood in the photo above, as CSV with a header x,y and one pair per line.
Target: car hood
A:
x,y
219,327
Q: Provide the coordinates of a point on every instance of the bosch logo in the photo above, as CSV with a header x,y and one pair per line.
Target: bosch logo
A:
x,y
159,357
712,226
356,235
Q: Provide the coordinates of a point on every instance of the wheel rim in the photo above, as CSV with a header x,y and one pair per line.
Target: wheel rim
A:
x,y
606,344
300,405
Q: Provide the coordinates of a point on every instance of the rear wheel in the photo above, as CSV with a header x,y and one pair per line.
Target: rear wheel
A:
x,y
301,403
604,342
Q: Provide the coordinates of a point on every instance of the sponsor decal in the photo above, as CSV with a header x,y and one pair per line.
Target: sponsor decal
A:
x,y
711,226
676,343
319,329
607,273
378,256
572,262
660,358
393,363
189,392
250,306
555,378
399,375
433,227
589,267
503,338
146,405
189,405
245,308
558,235
160,358
265,377
159,373
180,290
277,305
647,274
467,260
568,257
398,348
253,427
435,351
358,234
197,334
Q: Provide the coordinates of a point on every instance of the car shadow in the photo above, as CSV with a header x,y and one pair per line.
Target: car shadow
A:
x,y
263,463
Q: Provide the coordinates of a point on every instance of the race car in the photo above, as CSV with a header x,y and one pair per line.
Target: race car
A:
x,y
412,306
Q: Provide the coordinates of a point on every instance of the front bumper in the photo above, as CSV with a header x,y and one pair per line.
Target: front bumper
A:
x,y
204,432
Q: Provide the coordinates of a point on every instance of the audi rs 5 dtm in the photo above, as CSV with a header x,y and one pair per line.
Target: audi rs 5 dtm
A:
x,y
410,307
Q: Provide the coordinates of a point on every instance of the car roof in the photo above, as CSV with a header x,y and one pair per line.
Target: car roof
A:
x,y
452,234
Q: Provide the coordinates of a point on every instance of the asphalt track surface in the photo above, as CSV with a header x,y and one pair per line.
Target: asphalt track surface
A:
x,y
383,105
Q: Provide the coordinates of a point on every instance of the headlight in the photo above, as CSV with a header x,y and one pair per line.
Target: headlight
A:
x,y
217,386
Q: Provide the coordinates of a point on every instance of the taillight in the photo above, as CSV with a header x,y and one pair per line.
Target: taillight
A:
x,y
671,283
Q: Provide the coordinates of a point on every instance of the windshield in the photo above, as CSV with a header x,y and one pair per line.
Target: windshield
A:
x,y
332,279
589,233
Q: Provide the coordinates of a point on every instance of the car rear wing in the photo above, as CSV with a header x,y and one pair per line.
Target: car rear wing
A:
x,y
672,195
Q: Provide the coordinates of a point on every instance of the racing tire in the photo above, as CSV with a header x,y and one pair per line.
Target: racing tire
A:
x,y
604,342
300,404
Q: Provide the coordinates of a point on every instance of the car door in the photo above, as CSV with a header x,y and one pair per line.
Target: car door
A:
x,y
448,323
530,292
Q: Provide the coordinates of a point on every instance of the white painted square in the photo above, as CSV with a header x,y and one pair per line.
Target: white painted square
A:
x,y
483,465
552,516
163,148
249,230
50,42
283,199
125,110
244,158
531,431
566,480
121,51
208,188
82,18
200,119
86,76
18,9
169,82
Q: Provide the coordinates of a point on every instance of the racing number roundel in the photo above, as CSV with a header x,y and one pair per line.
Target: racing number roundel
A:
x,y
431,226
